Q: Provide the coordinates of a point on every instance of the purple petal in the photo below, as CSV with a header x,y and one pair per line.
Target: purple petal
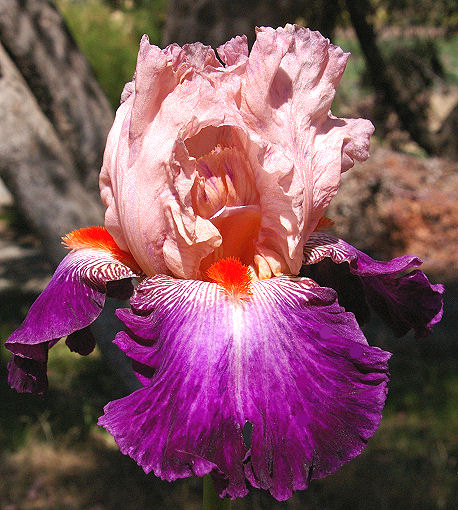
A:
x,y
144,373
81,341
403,301
72,300
278,388
29,375
144,359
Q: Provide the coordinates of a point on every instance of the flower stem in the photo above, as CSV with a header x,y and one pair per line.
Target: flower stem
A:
x,y
211,500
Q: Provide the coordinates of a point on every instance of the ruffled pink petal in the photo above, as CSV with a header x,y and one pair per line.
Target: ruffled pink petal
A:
x,y
149,210
291,79
183,104
339,143
275,388
279,241
234,51
111,179
194,56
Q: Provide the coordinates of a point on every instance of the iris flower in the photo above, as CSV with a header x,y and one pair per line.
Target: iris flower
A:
x,y
243,326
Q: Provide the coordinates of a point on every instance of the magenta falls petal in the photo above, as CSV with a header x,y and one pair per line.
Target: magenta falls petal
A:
x,y
72,300
287,359
404,299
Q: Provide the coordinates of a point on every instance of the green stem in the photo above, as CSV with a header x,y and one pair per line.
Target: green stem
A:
x,y
211,500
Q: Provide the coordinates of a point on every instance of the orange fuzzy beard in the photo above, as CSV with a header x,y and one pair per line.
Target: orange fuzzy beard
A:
x,y
232,276
98,238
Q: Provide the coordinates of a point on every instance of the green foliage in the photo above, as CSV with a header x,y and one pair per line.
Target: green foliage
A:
x,y
109,34
448,49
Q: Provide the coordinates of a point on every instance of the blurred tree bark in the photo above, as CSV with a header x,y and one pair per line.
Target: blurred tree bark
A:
x,y
54,122
54,119
37,167
414,122
38,42
214,22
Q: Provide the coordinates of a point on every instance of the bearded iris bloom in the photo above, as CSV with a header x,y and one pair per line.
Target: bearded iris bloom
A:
x,y
243,327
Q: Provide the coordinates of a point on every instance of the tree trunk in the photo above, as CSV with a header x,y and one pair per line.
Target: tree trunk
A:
x,y
382,81
54,119
214,22
58,75
37,167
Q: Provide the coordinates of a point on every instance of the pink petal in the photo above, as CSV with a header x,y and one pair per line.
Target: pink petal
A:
x,y
234,51
146,193
272,105
292,74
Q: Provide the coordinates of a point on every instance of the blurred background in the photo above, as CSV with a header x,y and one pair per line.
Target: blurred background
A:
x,y
62,69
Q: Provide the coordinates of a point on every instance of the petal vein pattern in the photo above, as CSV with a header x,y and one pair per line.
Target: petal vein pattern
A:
x,y
72,300
404,300
287,359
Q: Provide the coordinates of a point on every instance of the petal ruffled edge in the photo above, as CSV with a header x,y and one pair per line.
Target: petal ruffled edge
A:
x,y
403,301
288,360
292,74
235,51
